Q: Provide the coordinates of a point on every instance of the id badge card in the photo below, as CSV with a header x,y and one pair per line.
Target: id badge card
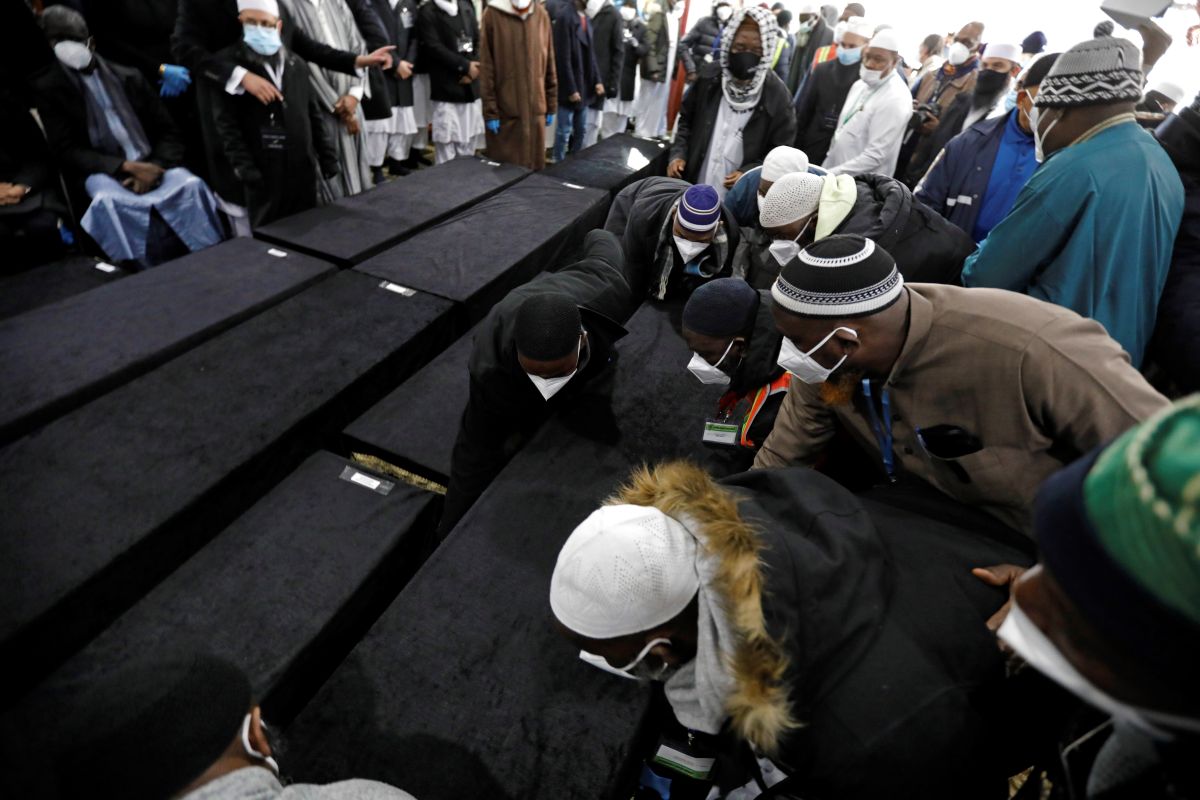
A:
x,y
685,760
465,45
406,18
274,140
721,432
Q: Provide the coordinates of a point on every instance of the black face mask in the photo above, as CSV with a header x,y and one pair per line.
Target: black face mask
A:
x,y
742,65
988,85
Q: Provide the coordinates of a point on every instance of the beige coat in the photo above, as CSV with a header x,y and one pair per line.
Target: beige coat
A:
x,y
1038,384
517,81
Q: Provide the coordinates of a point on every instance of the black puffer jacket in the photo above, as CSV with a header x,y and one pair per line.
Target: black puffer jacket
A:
x,y
927,248
699,43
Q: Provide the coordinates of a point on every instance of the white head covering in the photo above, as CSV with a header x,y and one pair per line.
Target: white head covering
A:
x,y
886,39
624,570
1011,52
860,27
783,160
266,6
792,197
1171,90
807,8
839,31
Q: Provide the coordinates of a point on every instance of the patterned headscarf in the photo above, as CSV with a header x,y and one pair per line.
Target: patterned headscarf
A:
x,y
745,95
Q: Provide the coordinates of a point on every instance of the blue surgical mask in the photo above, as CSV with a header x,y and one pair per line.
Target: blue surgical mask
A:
x,y
264,41
1010,100
849,55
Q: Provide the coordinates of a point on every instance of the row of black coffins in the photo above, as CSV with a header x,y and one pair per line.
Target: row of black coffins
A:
x,y
175,475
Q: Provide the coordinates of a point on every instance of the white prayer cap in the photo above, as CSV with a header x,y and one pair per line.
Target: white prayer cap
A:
x,y
266,6
1011,52
860,27
839,30
807,8
792,197
783,160
886,39
1171,90
624,570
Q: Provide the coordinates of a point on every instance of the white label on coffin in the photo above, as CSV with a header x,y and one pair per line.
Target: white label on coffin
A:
x,y
103,267
275,251
397,288
363,480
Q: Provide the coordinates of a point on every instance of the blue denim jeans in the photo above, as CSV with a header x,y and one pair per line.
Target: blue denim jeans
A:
x,y
570,126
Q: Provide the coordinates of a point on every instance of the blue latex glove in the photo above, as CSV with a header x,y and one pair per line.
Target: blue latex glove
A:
x,y
493,126
549,120
175,80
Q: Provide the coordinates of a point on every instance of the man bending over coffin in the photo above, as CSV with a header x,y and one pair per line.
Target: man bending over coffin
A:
x,y
183,726
545,348
981,393
846,648
676,234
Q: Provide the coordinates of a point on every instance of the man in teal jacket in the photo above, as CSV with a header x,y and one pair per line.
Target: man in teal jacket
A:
x,y
1094,227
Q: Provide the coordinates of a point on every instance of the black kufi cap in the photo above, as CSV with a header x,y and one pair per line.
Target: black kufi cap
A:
x,y
722,307
839,276
548,327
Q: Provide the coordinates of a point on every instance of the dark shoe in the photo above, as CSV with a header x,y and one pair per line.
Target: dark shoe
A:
x,y
397,168
377,175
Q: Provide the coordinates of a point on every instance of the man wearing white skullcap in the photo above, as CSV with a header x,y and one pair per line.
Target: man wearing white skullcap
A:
x,y
872,122
780,625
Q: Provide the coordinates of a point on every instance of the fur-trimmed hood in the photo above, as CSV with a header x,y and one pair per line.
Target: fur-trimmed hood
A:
x,y
758,707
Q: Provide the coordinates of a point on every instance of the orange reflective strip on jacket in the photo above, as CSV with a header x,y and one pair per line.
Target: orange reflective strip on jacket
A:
x,y
780,384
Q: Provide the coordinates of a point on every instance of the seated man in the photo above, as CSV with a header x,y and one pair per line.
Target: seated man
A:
x,y
981,394
734,342
977,176
271,147
1112,611
730,119
546,348
1093,228
800,209
113,135
844,640
675,236
198,733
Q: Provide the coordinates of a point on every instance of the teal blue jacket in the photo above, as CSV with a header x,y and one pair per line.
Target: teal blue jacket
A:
x,y
1092,231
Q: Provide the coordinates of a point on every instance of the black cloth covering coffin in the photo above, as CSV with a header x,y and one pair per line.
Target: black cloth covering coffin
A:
x,y
48,283
613,163
106,500
352,229
283,592
484,252
463,688
58,357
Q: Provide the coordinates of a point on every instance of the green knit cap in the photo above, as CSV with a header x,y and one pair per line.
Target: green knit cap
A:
x,y
1143,499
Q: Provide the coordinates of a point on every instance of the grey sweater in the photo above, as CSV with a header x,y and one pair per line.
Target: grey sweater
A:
x,y
258,783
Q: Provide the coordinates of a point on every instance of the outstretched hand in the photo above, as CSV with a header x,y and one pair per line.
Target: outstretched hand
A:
x,y
999,575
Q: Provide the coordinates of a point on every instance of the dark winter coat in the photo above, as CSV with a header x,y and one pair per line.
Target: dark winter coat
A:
x,y
274,182
771,124
135,33
608,48
573,54
783,66
696,49
504,404
949,125
388,89
819,105
448,46
964,168
1176,344
759,368
636,46
820,36
642,214
657,43
927,248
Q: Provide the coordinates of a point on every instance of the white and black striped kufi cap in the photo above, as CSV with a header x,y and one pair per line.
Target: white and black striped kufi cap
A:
x,y
1093,73
839,276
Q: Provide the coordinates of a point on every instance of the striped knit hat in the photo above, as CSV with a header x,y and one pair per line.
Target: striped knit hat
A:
x,y
700,208
1093,73
839,276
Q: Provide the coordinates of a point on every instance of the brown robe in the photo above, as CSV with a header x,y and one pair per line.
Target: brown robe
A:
x,y
518,83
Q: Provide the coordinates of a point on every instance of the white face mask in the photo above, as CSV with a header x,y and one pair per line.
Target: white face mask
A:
x,y
690,250
635,670
958,54
522,5
724,13
548,387
706,373
1039,138
803,365
871,77
806,26
593,7
250,751
75,55
784,250
628,13
1031,644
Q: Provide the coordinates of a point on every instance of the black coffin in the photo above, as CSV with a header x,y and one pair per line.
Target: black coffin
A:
x,y
49,283
483,253
353,229
57,357
463,688
283,592
613,163
105,501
